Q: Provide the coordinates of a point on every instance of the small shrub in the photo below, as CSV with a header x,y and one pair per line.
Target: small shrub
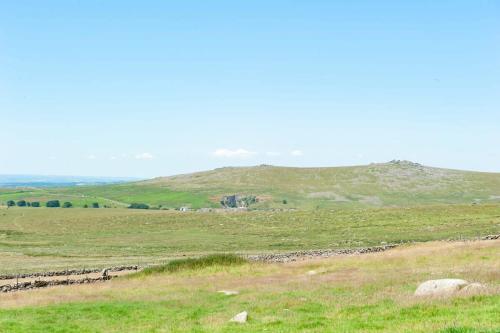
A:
x,y
35,204
21,203
67,204
85,206
285,201
53,203
138,206
196,263
95,205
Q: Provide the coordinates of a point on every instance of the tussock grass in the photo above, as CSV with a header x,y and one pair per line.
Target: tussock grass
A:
x,y
211,260
369,293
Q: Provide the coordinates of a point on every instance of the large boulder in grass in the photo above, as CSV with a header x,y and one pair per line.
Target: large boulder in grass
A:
x,y
240,318
229,292
473,288
442,287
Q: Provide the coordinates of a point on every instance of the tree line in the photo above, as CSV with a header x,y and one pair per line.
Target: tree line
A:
x,y
49,204
66,204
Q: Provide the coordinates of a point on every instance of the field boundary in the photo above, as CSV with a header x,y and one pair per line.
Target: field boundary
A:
x,y
266,258
309,254
69,272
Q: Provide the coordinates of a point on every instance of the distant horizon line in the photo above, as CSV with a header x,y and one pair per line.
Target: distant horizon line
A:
x,y
134,178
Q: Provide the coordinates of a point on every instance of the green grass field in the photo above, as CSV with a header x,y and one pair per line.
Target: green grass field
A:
x,y
41,239
366,293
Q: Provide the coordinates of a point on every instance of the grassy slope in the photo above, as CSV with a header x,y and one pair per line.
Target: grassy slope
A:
x,y
39,239
401,184
387,184
368,293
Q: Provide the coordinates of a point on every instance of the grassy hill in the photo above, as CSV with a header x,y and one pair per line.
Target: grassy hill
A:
x,y
397,183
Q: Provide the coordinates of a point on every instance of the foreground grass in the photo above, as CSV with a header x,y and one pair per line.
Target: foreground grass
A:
x,y
367,293
41,239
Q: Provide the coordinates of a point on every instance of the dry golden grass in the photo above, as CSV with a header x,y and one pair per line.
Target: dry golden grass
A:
x,y
393,274
361,293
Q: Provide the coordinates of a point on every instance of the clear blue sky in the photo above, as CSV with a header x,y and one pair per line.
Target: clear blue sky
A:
x,y
149,88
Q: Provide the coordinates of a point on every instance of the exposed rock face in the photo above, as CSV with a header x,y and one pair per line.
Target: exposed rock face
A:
x,y
229,201
442,287
240,318
237,201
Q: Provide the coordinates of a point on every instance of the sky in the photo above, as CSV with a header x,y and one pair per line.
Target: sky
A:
x,y
155,88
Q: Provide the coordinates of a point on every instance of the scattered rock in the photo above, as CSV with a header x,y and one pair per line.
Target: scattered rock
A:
x,y
240,318
442,287
405,163
491,237
229,292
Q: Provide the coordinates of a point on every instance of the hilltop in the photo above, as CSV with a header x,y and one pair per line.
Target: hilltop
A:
x,y
396,183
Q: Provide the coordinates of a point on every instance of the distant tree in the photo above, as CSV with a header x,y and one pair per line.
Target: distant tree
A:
x,y
285,201
67,204
138,206
35,204
21,203
95,205
28,203
53,203
11,203
85,206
